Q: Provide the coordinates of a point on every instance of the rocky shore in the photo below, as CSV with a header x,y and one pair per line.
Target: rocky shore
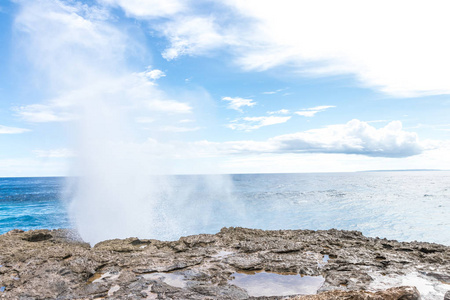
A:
x,y
236,263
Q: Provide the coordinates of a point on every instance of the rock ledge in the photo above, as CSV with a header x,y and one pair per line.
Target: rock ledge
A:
x,y
54,264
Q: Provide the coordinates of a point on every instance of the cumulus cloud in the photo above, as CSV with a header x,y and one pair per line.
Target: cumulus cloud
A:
x,y
11,130
354,137
252,123
311,112
236,103
152,74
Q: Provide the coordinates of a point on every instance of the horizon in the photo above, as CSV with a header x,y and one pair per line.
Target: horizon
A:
x,y
223,174
225,87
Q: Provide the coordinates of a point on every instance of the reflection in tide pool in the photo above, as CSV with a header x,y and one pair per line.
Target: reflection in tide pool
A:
x,y
176,280
272,284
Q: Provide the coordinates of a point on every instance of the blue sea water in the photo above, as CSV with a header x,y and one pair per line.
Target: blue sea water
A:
x,y
32,203
403,205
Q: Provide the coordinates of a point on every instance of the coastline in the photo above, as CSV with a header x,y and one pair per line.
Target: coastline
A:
x,y
40,264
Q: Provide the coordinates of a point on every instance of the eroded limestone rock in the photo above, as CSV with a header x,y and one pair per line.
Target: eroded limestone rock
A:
x,y
44,264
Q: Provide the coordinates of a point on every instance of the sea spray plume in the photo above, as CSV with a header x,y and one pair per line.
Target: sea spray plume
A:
x,y
124,186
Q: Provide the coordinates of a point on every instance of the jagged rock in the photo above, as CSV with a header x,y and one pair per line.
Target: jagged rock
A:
x,y
56,264
396,293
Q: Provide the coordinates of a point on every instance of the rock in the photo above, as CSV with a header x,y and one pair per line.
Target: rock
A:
x,y
396,293
56,264
444,278
447,296
36,236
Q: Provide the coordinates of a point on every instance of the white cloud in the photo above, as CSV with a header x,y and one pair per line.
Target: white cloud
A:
x,y
397,55
279,112
151,74
12,130
310,112
81,57
135,90
192,36
236,103
306,113
55,153
210,149
354,137
272,92
41,113
249,156
381,43
148,8
140,89
252,123
53,27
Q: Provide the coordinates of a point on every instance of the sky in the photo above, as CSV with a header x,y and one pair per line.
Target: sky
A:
x,y
224,86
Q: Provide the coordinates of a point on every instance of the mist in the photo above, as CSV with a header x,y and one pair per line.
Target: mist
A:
x,y
118,118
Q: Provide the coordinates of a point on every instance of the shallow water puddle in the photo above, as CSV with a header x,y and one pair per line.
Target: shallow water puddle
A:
x,y
176,280
323,261
273,284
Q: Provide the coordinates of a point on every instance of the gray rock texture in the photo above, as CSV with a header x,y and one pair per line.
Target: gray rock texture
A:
x,y
44,264
447,296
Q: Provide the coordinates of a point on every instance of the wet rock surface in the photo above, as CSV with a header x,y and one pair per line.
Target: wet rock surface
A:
x,y
56,264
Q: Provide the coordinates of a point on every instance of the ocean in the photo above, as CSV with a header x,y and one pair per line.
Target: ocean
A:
x,y
403,205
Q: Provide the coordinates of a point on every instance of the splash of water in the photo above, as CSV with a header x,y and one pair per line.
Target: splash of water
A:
x,y
125,156
127,187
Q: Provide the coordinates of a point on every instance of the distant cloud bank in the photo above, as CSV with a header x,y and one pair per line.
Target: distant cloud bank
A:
x,y
354,137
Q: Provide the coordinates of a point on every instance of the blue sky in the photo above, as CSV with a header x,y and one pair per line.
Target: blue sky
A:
x,y
223,86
